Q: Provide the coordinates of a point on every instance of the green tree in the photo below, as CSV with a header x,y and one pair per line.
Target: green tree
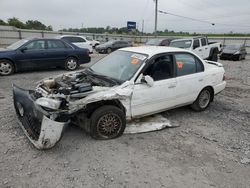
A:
x,y
35,24
16,23
2,22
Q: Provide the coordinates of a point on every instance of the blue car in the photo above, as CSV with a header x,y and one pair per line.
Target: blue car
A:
x,y
30,54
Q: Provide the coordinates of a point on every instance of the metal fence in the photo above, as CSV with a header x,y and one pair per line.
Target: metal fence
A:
x,y
8,36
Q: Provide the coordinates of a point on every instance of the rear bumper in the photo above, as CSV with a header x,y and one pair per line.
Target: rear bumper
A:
x,y
42,128
85,60
220,87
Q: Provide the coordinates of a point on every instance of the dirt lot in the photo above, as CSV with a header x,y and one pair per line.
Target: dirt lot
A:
x,y
208,149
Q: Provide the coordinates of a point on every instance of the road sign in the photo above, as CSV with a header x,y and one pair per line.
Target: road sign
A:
x,y
131,25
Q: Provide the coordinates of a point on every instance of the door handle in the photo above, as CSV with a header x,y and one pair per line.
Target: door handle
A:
x,y
171,86
200,80
206,48
200,50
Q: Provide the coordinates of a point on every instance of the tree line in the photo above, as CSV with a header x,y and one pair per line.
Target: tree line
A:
x,y
30,24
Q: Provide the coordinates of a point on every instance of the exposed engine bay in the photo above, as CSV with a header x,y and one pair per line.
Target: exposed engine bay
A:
x,y
55,93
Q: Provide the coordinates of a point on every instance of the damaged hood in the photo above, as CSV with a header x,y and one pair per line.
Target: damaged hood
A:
x,y
71,92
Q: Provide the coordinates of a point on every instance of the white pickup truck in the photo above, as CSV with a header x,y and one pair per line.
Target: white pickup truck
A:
x,y
200,46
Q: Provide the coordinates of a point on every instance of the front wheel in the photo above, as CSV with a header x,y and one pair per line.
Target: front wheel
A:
x,y
203,100
214,57
71,64
107,122
109,50
6,67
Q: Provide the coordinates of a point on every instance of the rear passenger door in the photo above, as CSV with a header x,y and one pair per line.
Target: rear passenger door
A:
x,y
56,53
197,49
190,78
205,48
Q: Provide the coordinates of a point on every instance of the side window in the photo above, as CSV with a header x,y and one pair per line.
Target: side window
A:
x,y
162,68
203,42
79,39
199,65
186,64
196,43
68,39
55,44
36,45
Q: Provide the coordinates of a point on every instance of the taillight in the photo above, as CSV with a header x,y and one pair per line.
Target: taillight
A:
x,y
224,77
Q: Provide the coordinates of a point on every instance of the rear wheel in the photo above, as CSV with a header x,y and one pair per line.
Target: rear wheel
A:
x,y
107,122
6,67
203,100
109,50
71,64
214,56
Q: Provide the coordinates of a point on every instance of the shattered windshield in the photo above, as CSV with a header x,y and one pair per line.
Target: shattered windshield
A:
x,y
119,65
181,44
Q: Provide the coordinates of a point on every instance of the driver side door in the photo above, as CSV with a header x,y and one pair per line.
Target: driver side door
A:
x,y
147,99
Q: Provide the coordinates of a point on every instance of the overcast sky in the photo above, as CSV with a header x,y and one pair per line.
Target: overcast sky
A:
x,y
228,15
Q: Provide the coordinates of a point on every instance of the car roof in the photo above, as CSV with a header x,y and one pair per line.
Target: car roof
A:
x,y
153,50
60,36
189,38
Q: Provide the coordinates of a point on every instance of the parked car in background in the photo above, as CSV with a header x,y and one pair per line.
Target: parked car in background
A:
x,y
111,46
128,84
79,41
234,52
159,42
199,45
41,53
93,42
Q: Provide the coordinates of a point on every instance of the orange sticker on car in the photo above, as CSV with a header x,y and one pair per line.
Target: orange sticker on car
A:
x,y
134,61
179,64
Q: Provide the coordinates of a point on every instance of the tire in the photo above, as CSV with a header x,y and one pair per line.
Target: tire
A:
x,y
71,64
109,115
6,67
214,56
240,57
109,50
203,100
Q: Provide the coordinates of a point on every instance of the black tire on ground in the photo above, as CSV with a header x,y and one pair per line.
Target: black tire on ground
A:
x,y
71,64
214,56
203,100
107,122
6,67
240,57
109,50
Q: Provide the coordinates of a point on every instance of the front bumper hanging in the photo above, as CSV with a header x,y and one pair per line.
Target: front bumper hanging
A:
x,y
42,128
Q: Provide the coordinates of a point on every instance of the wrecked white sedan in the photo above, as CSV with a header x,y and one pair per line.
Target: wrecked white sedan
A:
x,y
127,84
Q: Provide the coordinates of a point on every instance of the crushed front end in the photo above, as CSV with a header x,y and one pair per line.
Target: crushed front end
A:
x,y
43,127
45,112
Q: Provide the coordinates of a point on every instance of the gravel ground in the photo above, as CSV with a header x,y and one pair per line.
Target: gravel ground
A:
x,y
208,149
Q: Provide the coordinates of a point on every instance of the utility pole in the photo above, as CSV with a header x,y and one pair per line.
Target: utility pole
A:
x,y
156,15
142,27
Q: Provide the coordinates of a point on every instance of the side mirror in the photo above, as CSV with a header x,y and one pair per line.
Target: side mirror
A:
x,y
148,80
23,49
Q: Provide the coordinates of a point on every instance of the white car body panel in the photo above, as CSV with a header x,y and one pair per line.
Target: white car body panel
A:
x,y
202,51
87,44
